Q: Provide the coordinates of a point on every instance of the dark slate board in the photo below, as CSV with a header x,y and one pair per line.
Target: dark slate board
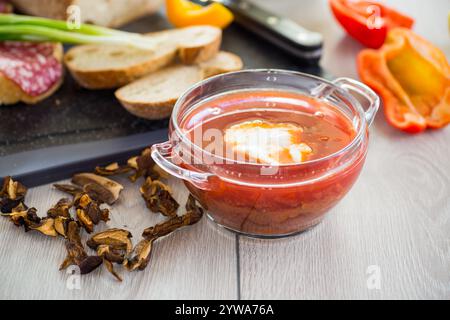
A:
x,y
76,115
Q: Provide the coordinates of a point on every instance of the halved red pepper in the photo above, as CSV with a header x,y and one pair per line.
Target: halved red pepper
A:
x,y
368,21
413,79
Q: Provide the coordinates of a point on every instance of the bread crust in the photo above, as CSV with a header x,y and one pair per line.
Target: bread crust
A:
x,y
125,12
114,77
109,78
191,55
57,9
156,110
11,93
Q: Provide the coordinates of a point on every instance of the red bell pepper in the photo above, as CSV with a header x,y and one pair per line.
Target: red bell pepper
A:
x,y
412,76
368,21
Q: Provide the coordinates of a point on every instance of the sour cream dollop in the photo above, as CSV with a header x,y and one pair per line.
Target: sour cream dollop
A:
x,y
267,142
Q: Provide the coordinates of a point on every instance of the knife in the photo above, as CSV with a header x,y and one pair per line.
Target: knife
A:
x,y
279,31
38,167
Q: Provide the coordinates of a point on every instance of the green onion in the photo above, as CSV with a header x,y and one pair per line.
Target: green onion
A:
x,y
27,28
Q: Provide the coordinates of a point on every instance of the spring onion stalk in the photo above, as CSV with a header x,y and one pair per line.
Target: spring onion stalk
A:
x,y
26,28
15,19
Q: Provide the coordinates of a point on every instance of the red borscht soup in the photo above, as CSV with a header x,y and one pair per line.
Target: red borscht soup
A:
x,y
263,147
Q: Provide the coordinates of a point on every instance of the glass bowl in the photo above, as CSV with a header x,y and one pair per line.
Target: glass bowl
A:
x,y
262,200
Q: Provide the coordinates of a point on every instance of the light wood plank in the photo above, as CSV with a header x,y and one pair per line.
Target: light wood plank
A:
x,y
396,217
194,263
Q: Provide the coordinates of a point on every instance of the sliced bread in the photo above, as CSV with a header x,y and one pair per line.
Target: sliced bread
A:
x,y
101,12
11,93
26,82
154,96
110,66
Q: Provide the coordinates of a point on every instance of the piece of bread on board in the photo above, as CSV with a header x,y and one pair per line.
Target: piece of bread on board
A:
x,y
154,96
101,12
11,93
111,66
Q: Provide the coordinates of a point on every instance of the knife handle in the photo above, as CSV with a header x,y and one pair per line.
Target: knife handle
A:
x,y
280,31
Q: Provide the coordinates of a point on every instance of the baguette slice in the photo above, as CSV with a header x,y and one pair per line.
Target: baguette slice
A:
x,y
11,92
154,96
110,66
110,13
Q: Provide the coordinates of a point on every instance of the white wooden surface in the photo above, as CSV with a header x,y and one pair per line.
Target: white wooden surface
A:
x,y
195,263
396,218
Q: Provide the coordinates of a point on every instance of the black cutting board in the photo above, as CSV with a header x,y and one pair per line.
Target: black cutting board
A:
x,y
74,115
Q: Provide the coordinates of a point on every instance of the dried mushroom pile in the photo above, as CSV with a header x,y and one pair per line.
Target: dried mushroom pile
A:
x,y
89,192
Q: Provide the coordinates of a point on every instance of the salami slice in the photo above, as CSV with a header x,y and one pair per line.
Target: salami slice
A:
x,y
5,7
32,66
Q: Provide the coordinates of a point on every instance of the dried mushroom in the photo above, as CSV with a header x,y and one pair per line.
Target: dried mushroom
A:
x,y
11,194
158,197
112,169
17,217
143,165
69,188
89,264
89,192
109,266
88,212
116,256
85,221
61,225
166,227
193,209
106,190
110,256
73,233
76,255
60,209
46,227
141,255
117,239
76,191
98,193
193,214
23,216
92,208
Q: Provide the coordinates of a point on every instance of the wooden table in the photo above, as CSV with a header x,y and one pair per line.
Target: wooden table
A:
x,y
395,222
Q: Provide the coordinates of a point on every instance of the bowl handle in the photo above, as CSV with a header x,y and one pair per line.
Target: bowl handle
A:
x,y
162,154
361,89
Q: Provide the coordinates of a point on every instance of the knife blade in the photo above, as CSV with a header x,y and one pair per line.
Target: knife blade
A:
x,y
280,31
38,167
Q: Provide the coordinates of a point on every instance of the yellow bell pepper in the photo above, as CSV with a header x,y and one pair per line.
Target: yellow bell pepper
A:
x,y
412,77
184,13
